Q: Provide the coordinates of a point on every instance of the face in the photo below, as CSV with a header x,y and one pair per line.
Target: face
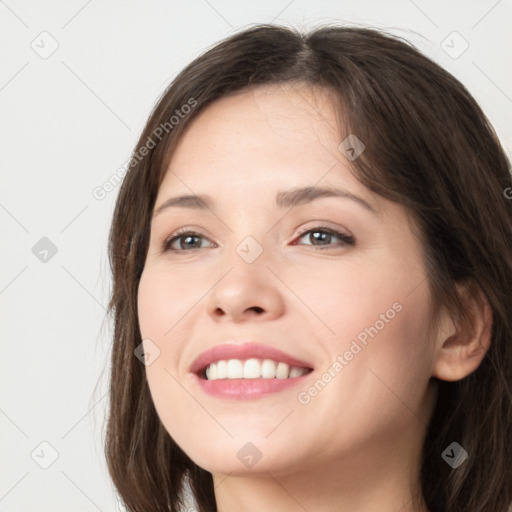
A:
x,y
260,277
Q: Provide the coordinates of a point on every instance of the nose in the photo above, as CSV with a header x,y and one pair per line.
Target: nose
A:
x,y
246,292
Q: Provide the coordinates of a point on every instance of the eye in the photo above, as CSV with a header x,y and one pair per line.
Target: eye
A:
x,y
319,236
188,240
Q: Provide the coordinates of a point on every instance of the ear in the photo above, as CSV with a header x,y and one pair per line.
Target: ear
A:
x,y
463,343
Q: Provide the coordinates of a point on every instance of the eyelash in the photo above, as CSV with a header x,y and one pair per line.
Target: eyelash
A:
x,y
345,239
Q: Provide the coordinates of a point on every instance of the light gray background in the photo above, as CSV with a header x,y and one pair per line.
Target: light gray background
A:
x,y
68,121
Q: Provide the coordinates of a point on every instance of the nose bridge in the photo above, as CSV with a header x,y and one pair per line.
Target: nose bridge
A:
x,y
250,234
247,260
250,249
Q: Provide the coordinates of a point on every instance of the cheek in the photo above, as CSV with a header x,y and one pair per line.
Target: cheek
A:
x,y
383,378
150,305
164,299
379,314
391,367
362,300
159,311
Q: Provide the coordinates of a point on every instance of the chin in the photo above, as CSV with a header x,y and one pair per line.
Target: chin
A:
x,y
245,455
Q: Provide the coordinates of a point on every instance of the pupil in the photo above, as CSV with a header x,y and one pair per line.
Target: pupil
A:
x,y
189,238
321,236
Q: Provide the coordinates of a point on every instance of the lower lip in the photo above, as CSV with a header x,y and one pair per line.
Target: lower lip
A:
x,y
243,389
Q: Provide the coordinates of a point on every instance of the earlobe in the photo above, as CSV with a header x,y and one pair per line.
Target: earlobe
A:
x,y
462,347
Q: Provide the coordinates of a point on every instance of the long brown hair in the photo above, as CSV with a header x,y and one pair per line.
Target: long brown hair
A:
x,y
430,148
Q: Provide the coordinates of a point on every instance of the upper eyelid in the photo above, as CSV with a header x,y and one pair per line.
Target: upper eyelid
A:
x,y
198,232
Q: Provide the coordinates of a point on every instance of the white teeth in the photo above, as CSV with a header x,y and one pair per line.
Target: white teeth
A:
x,y
294,372
252,369
282,371
268,369
212,373
222,369
235,369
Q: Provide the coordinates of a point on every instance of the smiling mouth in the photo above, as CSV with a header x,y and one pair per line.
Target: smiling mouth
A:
x,y
251,368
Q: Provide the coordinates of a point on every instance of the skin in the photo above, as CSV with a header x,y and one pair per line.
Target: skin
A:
x,y
356,444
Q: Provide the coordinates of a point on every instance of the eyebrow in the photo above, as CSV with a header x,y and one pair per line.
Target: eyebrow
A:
x,y
284,199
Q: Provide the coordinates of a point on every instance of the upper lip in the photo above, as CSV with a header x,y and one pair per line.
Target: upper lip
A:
x,y
232,350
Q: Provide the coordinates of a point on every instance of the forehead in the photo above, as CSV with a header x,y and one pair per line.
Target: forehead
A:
x,y
288,112
283,134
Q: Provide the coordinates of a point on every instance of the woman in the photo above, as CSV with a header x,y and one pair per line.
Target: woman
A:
x,y
312,272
